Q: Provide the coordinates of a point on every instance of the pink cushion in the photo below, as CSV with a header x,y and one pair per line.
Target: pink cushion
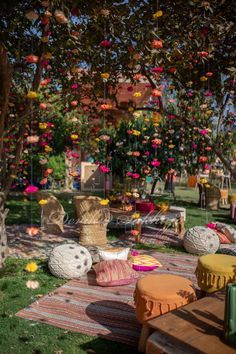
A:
x,y
115,272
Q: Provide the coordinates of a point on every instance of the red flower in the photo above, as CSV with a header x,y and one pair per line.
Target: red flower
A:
x,y
105,43
158,70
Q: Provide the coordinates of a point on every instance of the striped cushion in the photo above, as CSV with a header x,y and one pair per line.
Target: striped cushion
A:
x,y
115,272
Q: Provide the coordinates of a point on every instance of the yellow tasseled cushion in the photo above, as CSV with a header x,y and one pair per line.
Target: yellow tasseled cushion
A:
x,y
215,271
156,294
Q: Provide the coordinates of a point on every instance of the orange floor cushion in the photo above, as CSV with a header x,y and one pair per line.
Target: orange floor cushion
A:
x,y
156,294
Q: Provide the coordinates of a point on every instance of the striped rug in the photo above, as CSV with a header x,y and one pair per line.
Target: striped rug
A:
x,y
82,306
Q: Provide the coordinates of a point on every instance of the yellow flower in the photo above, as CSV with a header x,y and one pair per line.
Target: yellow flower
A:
x,y
42,202
147,120
74,70
97,139
136,132
112,197
105,75
128,194
104,201
144,129
44,39
137,94
130,109
74,136
171,146
43,125
203,78
31,267
157,14
48,55
47,148
135,216
32,95
209,112
207,185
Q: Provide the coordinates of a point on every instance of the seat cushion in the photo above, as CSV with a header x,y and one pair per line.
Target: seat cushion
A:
x,y
156,294
115,272
215,271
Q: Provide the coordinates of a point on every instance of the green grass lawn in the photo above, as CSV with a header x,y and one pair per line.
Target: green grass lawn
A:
x,y
19,336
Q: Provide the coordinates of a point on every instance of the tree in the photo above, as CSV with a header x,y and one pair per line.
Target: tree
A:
x,y
184,51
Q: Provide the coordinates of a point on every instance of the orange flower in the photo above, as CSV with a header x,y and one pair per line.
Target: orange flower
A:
x,y
156,93
134,232
157,44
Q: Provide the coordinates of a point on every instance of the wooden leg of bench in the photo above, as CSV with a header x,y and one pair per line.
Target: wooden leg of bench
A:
x,y
145,332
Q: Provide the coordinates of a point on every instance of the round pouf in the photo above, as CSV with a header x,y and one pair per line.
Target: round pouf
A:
x,y
201,240
215,271
69,261
156,294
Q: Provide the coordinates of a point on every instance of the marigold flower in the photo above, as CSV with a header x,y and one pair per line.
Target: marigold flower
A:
x,y
32,95
31,267
157,14
137,94
42,201
104,202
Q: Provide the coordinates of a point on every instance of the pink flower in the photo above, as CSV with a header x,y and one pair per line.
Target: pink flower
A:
x,y
208,93
104,169
155,163
146,153
129,174
31,189
105,43
74,86
211,225
194,146
130,89
171,159
203,131
171,116
135,175
158,70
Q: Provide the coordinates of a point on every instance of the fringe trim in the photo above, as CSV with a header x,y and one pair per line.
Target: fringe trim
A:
x,y
208,280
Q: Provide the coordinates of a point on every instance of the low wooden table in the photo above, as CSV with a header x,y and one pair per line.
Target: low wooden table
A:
x,y
122,218
194,328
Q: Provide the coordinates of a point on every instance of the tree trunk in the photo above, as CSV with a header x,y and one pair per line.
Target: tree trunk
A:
x,y
68,177
3,234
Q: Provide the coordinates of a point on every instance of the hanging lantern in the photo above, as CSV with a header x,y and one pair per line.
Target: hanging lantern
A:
x,y
32,139
32,59
31,15
60,17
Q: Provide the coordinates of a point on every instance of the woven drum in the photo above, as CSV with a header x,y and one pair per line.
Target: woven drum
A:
x,y
93,234
201,240
90,211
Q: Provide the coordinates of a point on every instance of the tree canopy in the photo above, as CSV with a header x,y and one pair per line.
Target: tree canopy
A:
x,y
76,55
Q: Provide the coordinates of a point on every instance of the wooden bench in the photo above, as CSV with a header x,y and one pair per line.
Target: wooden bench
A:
x,y
194,328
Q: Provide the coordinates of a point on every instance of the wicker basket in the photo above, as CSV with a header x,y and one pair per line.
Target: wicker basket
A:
x,y
90,211
212,197
93,234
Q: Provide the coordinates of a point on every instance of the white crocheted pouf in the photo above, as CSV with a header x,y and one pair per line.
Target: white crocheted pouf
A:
x,y
69,261
201,240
